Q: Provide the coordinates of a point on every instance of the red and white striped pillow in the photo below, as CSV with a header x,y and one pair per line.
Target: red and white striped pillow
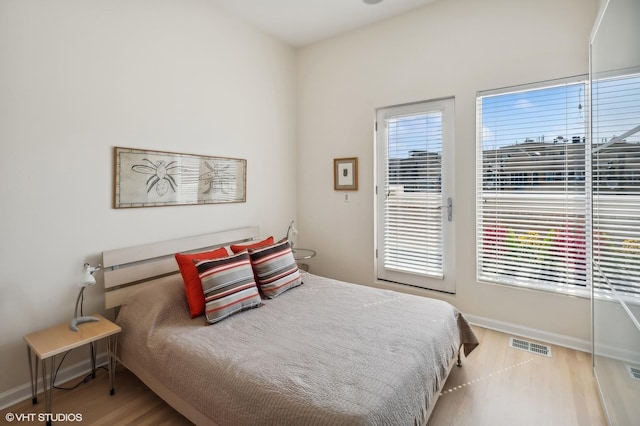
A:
x,y
228,285
276,270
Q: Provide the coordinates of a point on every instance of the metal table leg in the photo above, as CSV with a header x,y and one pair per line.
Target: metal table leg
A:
x,y
48,386
112,347
33,371
93,352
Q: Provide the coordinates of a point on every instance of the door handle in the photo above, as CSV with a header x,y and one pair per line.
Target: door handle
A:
x,y
449,207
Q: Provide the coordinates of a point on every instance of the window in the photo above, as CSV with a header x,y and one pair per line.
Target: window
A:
x,y
530,178
616,185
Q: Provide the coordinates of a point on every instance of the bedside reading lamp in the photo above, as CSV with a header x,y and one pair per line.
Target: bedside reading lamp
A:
x,y
290,230
87,280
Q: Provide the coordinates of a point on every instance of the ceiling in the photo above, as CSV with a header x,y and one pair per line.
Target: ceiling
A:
x,y
301,22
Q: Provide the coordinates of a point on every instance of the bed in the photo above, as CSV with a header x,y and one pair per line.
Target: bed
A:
x,y
324,352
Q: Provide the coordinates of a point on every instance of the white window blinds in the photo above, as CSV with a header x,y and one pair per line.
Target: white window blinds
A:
x,y
530,178
413,194
616,185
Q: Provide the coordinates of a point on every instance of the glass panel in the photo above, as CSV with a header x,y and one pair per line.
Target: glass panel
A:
x,y
615,145
413,224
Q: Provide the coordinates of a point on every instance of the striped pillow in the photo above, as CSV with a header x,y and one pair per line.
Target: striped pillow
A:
x,y
192,286
275,269
228,285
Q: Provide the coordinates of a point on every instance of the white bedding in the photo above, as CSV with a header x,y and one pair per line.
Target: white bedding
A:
x,y
324,353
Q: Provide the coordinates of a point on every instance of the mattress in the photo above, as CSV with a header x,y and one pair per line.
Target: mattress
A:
x,y
326,352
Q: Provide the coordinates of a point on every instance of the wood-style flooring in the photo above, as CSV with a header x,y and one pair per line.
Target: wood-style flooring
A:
x,y
496,385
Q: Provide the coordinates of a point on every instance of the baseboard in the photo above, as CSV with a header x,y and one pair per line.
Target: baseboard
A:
x,y
531,333
620,354
608,351
23,392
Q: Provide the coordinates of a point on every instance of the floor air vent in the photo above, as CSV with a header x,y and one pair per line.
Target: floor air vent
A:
x,y
634,372
534,348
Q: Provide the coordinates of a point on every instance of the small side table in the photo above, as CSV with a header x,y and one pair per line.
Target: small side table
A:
x,y
303,254
44,345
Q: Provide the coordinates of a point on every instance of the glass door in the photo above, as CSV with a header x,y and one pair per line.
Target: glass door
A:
x,y
415,203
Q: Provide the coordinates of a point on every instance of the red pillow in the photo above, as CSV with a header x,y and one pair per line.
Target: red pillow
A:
x,y
237,248
192,284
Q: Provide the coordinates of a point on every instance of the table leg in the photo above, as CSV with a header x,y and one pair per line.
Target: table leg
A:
x,y
33,371
93,354
112,347
48,386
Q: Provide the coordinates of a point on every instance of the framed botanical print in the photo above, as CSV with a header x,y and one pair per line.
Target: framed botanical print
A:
x,y
345,174
145,178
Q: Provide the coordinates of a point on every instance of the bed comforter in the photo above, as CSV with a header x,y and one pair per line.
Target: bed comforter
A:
x,y
324,353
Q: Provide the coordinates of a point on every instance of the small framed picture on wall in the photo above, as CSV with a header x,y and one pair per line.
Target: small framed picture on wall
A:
x,y
345,174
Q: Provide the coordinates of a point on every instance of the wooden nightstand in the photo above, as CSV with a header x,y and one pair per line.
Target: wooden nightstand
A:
x,y
46,344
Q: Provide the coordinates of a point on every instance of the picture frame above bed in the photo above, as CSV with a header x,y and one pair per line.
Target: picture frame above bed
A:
x,y
147,178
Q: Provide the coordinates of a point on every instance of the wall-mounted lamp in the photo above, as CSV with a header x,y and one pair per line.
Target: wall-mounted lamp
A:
x,y
87,280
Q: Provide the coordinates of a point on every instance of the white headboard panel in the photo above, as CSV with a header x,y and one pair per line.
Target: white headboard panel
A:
x,y
128,269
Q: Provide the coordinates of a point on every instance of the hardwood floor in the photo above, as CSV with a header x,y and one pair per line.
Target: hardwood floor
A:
x,y
497,385
621,393
132,404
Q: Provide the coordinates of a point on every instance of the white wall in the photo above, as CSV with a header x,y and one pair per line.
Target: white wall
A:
x,y
79,77
614,50
448,48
